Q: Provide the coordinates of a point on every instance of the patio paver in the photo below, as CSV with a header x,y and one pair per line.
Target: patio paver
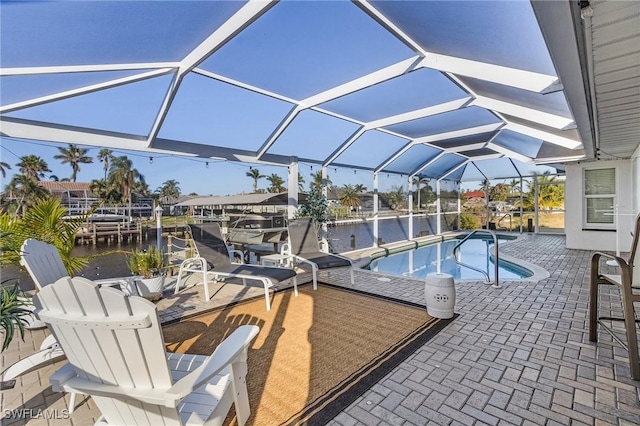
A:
x,y
516,355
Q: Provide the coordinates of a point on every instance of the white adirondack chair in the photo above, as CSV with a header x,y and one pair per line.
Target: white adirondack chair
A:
x,y
116,354
43,262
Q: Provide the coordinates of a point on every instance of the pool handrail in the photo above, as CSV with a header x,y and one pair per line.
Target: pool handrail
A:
x,y
496,284
510,221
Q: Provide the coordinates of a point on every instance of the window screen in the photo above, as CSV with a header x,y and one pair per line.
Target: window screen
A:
x,y
599,197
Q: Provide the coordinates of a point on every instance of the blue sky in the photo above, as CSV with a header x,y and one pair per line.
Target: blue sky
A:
x,y
220,178
334,42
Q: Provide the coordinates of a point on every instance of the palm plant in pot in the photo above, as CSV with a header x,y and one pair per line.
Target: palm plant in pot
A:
x,y
149,268
12,313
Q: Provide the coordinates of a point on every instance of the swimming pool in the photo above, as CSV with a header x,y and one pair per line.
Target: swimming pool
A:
x,y
418,262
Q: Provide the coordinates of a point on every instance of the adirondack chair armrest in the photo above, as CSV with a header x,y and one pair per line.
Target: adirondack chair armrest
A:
x,y
70,382
60,377
66,379
226,353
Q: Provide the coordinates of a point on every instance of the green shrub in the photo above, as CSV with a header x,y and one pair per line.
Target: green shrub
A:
x,y
469,221
148,263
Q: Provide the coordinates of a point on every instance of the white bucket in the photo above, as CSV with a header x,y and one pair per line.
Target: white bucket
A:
x,y
440,294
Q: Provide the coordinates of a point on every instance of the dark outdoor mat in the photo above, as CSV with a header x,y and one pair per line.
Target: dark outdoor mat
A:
x,y
315,353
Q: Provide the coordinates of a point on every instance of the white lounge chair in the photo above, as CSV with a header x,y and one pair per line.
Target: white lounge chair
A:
x,y
213,259
117,355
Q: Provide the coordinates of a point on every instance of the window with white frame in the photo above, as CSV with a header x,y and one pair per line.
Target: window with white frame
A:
x,y
599,198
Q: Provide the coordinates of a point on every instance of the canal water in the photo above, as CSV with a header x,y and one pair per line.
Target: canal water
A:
x,y
110,260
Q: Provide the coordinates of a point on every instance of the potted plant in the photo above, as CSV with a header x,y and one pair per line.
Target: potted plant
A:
x,y
13,313
149,268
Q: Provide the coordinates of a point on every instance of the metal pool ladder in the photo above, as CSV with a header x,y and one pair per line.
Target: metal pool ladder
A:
x,y
456,250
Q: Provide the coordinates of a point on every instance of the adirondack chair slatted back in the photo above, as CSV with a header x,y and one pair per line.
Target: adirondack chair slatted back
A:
x,y
42,261
210,244
110,338
303,236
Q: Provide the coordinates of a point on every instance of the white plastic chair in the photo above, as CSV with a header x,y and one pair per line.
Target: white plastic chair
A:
x,y
43,262
117,355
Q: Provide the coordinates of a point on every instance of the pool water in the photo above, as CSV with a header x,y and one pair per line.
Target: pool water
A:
x,y
419,262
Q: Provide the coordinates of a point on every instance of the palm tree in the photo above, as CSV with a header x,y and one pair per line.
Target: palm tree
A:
x,y
101,189
33,167
550,192
417,181
349,197
255,175
105,156
276,184
317,181
74,156
122,174
141,187
46,221
26,191
170,188
360,188
514,186
395,197
300,182
3,168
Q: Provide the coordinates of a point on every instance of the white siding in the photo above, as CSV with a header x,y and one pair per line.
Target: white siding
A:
x,y
628,186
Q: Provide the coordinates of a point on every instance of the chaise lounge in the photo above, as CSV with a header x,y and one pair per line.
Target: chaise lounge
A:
x,y
212,258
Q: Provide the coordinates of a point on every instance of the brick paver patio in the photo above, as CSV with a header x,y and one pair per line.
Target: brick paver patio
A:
x,y
516,355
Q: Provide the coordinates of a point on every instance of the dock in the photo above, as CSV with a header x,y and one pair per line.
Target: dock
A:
x,y
108,232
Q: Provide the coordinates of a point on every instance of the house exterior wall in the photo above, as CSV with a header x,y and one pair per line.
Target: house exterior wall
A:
x,y
627,188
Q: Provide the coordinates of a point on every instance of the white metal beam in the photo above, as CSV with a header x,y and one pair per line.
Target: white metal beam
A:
x,y
231,27
527,80
368,80
513,77
83,90
509,153
427,164
531,114
242,85
390,26
36,130
419,113
469,147
342,148
394,157
460,133
464,163
291,115
164,109
239,21
484,157
66,69
544,135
